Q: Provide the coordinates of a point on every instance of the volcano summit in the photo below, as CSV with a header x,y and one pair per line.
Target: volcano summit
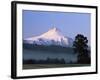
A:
x,y
52,37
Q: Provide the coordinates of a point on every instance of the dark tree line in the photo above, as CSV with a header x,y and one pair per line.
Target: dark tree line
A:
x,y
81,48
47,61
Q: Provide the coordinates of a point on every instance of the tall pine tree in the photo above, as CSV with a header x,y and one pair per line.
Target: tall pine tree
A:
x,y
81,48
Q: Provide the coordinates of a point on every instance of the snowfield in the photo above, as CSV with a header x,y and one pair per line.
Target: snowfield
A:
x,y
51,37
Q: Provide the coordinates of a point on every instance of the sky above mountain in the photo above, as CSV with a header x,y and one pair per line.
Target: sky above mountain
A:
x,y
70,24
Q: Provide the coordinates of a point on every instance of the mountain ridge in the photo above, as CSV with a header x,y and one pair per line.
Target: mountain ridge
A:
x,y
52,37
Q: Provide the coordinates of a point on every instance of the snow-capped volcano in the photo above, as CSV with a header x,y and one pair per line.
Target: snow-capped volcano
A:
x,y
51,37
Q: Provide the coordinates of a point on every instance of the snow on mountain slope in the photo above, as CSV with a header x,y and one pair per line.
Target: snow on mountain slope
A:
x,y
51,37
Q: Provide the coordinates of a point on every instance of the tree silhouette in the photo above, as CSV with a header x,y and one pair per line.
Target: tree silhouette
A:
x,y
81,48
